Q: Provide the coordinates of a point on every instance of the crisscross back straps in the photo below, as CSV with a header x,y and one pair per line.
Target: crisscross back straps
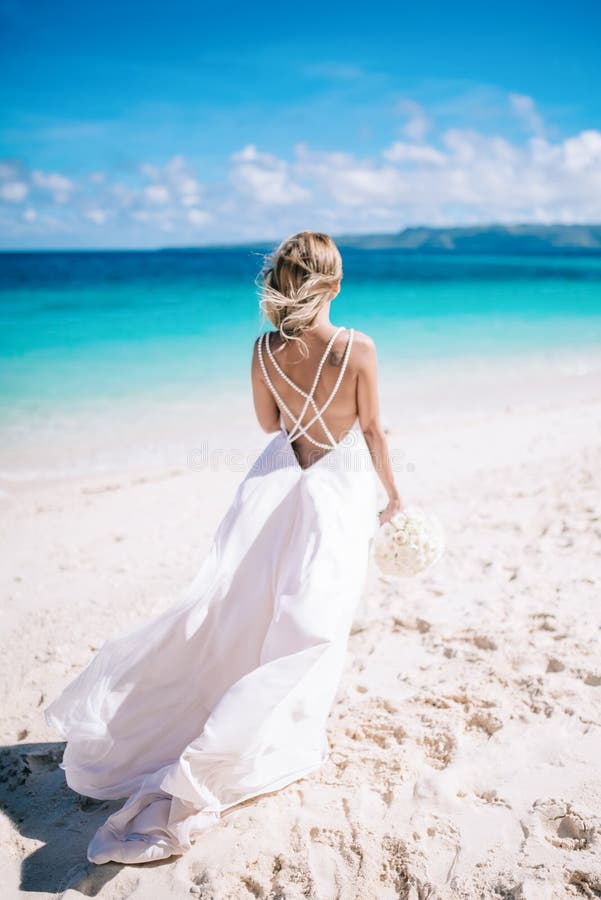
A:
x,y
297,427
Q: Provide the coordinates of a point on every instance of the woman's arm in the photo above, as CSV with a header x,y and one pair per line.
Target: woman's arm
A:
x,y
369,420
266,409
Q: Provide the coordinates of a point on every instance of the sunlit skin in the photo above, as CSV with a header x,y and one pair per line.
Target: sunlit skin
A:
x,y
357,396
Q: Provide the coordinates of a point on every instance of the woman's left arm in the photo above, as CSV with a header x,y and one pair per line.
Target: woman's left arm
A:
x,y
266,409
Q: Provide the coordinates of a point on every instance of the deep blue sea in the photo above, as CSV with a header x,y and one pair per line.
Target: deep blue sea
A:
x,y
84,325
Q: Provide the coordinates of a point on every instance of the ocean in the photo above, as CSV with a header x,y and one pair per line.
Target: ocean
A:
x,y
86,330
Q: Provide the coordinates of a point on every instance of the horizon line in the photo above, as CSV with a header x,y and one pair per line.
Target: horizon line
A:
x,y
266,242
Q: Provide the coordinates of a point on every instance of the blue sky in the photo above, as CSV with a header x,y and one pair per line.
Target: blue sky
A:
x,y
187,123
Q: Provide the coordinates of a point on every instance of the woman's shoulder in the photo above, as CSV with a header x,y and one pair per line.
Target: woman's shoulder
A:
x,y
360,339
364,348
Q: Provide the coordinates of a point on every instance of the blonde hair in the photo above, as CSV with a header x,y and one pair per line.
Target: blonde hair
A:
x,y
296,280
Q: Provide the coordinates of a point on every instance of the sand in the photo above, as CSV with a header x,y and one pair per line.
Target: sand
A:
x,y
466,732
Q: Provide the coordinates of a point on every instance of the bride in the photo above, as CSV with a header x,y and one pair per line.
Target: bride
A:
x,y
226,694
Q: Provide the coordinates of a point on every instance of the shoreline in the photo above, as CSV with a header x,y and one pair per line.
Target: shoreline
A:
x,y
106,435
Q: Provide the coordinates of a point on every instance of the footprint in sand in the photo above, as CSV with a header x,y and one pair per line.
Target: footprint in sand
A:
x,y
376,721
440,747
398,873
483,642
14,770
491,797
559,823
566,827
253,886
333,860
201,888
484,722
17,764
395,865
588,884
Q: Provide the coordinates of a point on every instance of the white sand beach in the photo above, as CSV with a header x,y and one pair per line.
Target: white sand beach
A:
x,y
466,733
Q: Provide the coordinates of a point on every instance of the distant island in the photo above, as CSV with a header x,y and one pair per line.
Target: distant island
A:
x,y
474,239
483,239
526,240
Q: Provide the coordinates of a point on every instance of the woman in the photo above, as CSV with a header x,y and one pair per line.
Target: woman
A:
x,y
226,694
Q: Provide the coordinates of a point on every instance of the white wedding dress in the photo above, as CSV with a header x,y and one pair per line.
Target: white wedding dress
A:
x,y
226,694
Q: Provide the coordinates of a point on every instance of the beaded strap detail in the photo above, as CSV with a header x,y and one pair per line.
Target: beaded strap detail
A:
x,y
298,390
298,428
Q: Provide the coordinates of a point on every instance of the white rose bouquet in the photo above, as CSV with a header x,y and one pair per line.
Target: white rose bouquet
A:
x,y
409,543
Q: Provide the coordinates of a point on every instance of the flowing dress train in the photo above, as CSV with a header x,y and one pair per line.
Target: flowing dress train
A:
x,y
226,694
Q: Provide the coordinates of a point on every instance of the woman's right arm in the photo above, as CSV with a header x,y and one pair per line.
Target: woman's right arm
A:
x,y
369,420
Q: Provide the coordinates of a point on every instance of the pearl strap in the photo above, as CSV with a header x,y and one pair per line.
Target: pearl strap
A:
x,y
337,385
299,390
298,428
291,436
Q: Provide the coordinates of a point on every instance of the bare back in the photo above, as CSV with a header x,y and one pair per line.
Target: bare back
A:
x,y
336,387
284,385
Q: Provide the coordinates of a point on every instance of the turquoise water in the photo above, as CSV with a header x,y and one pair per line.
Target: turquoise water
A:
x,y
79,326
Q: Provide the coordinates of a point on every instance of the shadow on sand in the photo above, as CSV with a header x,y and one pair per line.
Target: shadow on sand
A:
x,y
36,798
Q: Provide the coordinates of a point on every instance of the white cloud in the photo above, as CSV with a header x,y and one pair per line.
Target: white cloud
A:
x,y
163,219
525,109
198,217
9,169
583,152
189,195
150,171
474,178
174,181
58,185
347,181
157,194
166,198
13,191
458,176
96,215
122,194
418,123
265,178
402,152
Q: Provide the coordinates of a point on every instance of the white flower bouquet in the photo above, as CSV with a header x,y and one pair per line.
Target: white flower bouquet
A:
x,y
409,543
